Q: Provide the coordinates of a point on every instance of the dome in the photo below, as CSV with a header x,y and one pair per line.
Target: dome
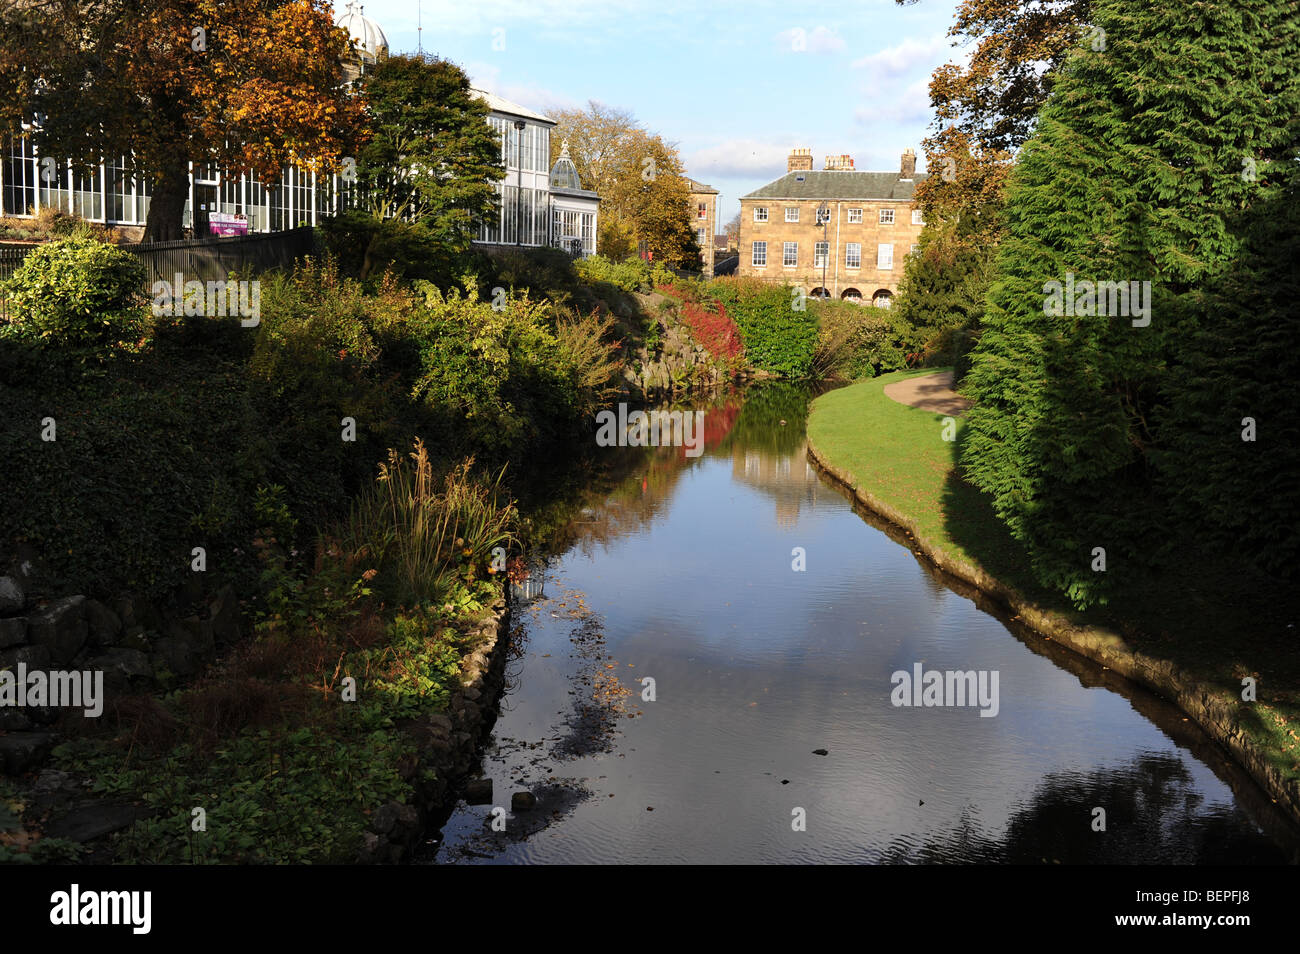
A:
x,y
365,32
564,174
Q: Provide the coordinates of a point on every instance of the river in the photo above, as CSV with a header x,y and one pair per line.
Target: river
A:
x,y
772,735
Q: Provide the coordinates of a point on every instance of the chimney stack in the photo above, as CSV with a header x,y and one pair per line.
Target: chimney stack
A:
x,y
908,168
842,163
800,160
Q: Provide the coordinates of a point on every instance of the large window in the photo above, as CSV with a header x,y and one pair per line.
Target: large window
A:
x,y
52,183
886,216
87,196
855,216
790,254
539,219
17,178
759,255
885,256
589,232
490,229
703,210
792,214
821,251
916,217
700,236
760,213
853,255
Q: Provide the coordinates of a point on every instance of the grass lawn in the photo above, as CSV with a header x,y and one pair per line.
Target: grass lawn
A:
x,y
1213,622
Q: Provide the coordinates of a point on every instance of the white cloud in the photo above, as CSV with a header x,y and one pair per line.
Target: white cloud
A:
x,y
909,106
748,158
819,40
896,61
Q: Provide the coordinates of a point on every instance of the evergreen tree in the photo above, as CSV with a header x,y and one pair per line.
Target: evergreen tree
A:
x,y
1230,443
1132,176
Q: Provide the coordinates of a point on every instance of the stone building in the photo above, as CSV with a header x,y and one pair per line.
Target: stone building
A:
x,y
704,220
838,232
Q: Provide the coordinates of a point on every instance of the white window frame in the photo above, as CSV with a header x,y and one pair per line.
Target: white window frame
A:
x,y
821,254
786,249
792,213
760,213
753,255
916,217
885,256
855,216
886,216
853,250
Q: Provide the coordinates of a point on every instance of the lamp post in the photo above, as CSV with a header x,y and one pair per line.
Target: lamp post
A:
x,y
824,214
519,180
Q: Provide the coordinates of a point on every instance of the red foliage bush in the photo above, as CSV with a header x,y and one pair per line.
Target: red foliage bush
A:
x,y
713,328
710,324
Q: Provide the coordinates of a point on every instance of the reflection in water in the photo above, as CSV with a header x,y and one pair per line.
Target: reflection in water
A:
x,y
1153,795
681,571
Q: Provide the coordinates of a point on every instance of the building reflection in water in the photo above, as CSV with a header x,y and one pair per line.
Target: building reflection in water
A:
x,y
789,478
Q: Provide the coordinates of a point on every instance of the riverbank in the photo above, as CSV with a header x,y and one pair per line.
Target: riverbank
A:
x,y
1190,643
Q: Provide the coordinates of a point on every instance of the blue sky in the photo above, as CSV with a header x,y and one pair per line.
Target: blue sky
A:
x,y
735,84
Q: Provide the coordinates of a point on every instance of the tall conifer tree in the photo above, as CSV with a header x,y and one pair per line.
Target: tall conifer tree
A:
x,y
1133,175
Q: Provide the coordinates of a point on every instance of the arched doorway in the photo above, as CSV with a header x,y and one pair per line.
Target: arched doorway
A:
x,y
883,298
820,293
851,294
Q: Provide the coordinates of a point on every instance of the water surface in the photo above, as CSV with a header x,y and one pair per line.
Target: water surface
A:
x,y
683,573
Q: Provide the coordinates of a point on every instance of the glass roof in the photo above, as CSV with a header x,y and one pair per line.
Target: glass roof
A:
x,y
564,174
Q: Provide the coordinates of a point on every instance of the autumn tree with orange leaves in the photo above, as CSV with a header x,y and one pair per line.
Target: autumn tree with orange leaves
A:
x,y
250,85
984,111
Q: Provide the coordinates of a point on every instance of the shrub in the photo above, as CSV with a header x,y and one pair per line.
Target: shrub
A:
x,y
78,293
631,275
857,341
366,247
590,357
326,350
492,376
546,272
778,338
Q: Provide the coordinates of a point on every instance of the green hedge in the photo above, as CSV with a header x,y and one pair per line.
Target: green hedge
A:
x,y
780,338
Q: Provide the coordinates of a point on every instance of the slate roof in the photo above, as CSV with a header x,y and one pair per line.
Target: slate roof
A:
x,y
700,187
840,185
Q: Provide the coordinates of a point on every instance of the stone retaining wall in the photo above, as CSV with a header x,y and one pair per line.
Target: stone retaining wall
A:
x,y
135,645
448,746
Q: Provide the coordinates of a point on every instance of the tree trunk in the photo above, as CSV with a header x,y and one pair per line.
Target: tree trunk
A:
x,y
167,204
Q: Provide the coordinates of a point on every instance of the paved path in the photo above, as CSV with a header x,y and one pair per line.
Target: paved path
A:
x,y
930,392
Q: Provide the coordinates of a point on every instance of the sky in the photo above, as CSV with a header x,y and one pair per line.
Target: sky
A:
x,y
735,85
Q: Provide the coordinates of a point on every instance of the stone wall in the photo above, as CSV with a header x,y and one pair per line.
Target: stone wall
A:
x,y
135,645
448,744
